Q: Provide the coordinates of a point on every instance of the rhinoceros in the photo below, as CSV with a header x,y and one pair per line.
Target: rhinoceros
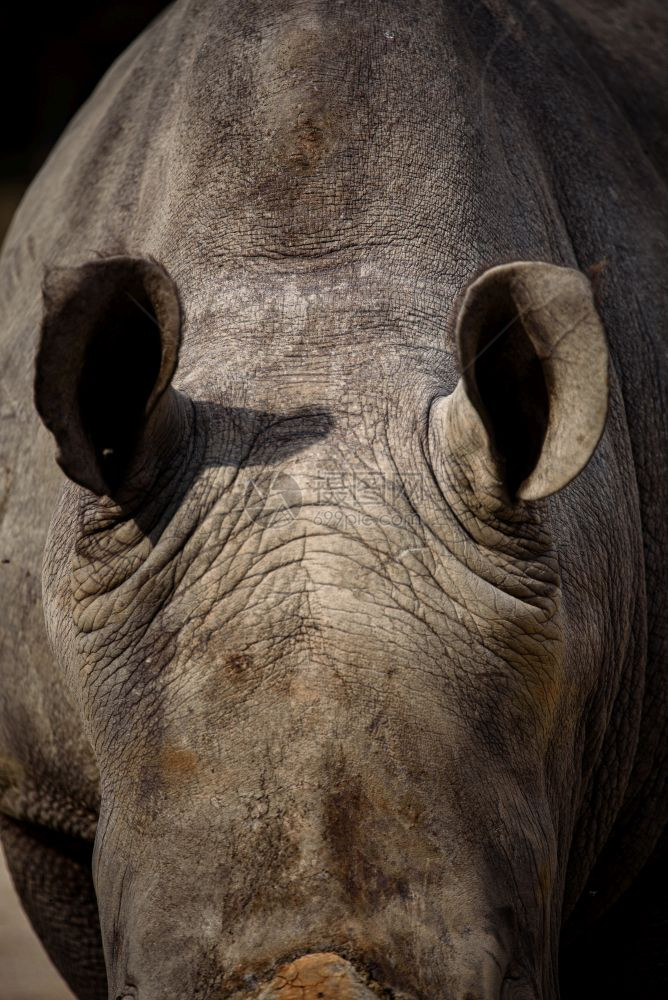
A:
x,y
332,665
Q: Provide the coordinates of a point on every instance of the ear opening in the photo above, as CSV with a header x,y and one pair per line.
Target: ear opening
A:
x,y
108,350
534,360
120,367
509,381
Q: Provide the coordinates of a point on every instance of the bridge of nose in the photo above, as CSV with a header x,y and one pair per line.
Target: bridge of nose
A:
x,y
321,976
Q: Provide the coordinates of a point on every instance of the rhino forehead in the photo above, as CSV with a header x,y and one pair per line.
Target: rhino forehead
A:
x,y
302,121
326,129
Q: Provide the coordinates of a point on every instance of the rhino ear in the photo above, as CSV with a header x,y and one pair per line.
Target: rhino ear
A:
x,y
533,361
108,350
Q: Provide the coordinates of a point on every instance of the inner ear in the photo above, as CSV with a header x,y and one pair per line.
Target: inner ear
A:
x,y
508,379
534,360
107,353
120,368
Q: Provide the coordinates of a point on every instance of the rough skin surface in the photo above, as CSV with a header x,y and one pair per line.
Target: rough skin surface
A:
x,y
415,728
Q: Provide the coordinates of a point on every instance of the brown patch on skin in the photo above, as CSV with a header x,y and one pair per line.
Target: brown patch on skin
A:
x,y
322,976
306,138
309,140
237,664
596,273
364,835
169,772
176,764
596,268
298,102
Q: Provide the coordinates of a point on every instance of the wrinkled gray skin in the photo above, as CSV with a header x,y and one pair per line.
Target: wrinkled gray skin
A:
x,y
415,725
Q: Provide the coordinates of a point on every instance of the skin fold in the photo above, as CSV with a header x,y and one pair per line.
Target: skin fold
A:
x,y
334,664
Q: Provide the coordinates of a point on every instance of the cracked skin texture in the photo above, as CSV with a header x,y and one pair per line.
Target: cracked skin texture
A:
x,y
321,976
379,739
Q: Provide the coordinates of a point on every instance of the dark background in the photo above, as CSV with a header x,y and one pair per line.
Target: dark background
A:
x,y
52,57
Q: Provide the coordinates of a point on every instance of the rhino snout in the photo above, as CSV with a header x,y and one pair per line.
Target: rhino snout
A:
x,y
327,976
320,976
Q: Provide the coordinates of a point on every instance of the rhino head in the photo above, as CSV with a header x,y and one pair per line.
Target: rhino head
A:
x,y
316,631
